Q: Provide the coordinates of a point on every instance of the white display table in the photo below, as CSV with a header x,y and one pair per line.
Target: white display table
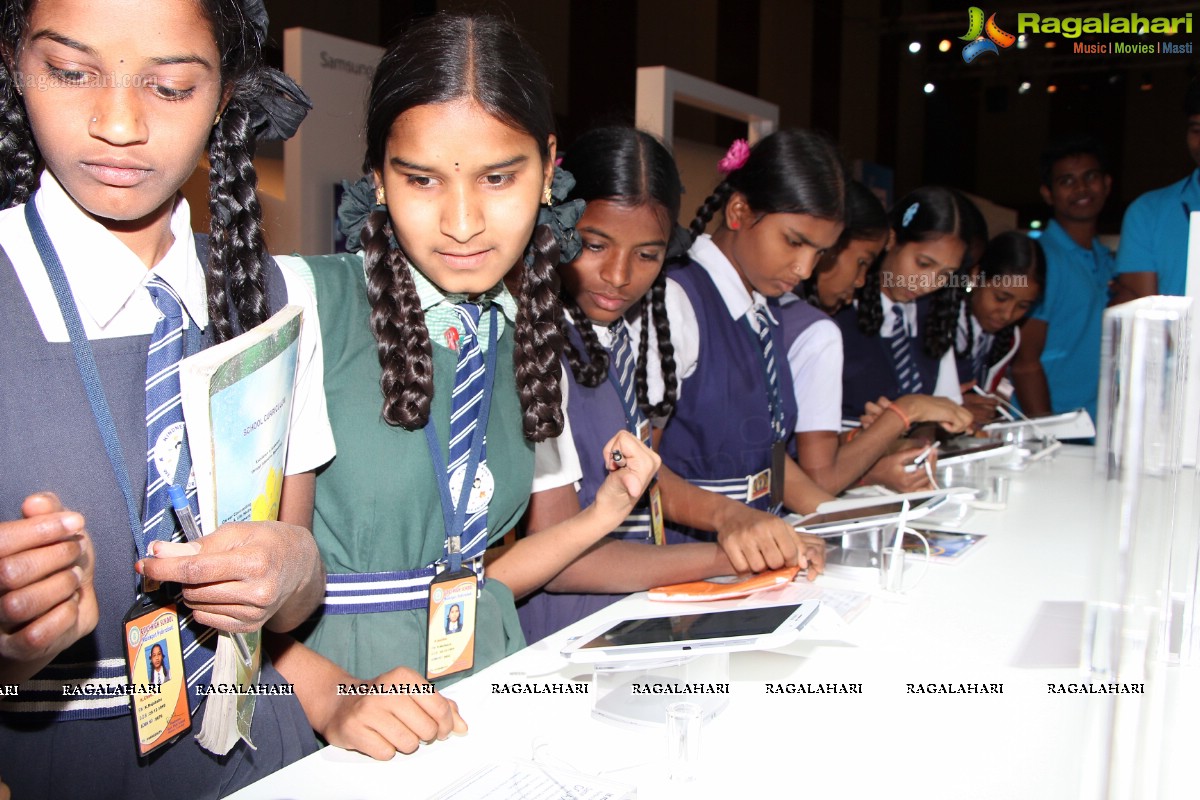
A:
x,y
1009,614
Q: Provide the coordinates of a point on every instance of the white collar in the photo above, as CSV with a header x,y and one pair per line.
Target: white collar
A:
x,y
888,328
729,284
105,274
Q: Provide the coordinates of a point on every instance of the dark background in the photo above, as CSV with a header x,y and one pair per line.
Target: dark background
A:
x,y
845,68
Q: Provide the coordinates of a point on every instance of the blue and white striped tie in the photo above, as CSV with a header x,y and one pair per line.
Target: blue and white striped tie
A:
x,y
768,350
164,410
902,357
983,349
464,415
164,415
621,366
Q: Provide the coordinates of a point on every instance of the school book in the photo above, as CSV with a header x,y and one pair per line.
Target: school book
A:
x,y
697,591
237,406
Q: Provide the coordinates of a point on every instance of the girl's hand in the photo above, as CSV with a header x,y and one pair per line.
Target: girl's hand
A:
x,y
947,413
629,475
755,541
236,578
873,411
889,471
381,725
47,601
982,409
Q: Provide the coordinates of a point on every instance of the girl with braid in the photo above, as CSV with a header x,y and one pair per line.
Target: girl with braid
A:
x,y
439,380
1005,285
101,122
620,368
898,336
782,206
814,354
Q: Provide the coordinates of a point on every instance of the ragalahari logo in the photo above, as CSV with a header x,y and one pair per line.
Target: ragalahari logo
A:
x,y
983,38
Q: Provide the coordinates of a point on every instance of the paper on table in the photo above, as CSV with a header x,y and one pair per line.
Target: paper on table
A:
x,y
524,780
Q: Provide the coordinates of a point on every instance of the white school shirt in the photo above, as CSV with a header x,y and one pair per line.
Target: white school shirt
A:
x,y
947,377
685,327
108,282
815,360
555,462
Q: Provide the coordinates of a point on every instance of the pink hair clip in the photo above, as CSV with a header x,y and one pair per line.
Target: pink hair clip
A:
x,y
734,157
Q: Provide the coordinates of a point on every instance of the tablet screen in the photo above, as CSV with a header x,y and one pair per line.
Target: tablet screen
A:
x,y
883,510
693,627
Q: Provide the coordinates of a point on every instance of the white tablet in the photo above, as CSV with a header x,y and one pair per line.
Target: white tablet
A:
x,y
960,451
1075,424
841,516
658,637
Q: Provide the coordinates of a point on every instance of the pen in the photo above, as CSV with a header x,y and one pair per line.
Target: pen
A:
x,y
618,458
920,459
187,521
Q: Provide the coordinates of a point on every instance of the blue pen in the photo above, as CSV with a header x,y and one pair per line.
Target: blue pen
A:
x,y
187,521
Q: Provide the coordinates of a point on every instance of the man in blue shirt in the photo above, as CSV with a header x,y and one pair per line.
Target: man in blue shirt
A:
x,y
1154,235
1057,367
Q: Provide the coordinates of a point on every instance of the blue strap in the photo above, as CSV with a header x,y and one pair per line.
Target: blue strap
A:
x,y
89,374
453,517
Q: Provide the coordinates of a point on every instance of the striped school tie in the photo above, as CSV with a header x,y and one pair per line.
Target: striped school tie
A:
x,y
164,415
464,412
983,349
164,411
774,398
620,369
902,357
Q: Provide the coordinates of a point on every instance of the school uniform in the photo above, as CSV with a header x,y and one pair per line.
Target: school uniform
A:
x,y
377,519
814,356
49,440
870,369
973,350
722,432
596,414
1072,307
1154,233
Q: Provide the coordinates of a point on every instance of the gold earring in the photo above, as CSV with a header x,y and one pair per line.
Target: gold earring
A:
x,y
216,120
547,198
380,197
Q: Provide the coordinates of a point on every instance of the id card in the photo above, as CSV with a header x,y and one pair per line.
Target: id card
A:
x,y
758,485
643,433
656,514
157,681
452,603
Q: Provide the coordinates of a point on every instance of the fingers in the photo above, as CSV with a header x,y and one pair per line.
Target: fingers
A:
x,y
47,635
41,503
31,602
37,531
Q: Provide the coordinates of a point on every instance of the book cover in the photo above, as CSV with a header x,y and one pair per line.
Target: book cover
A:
x,y
237,406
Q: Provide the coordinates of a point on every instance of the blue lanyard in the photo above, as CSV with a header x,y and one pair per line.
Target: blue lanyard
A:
x,y
774,400
455,517
86,362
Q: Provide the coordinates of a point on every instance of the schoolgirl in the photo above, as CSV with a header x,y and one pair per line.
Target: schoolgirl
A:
x,y
439,382
621,366
782,208
814,354
898,336
1004,287
103,289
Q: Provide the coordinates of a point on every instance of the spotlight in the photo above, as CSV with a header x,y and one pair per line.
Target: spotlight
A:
x,y
1052,88
1036,224
1024,87
914,47
1049,44
929,87
1022,42
944,46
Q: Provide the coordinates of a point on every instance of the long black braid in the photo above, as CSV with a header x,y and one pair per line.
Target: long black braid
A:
x,y
436,60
